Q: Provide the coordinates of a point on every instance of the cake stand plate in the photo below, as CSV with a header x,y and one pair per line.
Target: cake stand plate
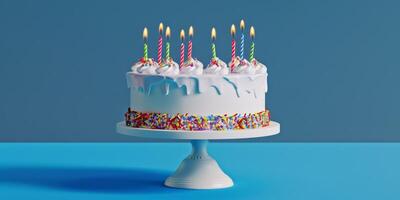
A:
x,y
199,170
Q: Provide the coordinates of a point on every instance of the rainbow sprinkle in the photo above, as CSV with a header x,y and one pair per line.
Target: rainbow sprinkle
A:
x,y
190,122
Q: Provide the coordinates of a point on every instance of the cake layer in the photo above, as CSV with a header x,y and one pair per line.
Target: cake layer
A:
x,y
198,95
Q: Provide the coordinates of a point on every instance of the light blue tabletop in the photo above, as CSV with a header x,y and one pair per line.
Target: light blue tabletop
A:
x,y
260,171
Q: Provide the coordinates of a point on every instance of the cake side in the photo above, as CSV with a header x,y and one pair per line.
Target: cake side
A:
x,y
198,95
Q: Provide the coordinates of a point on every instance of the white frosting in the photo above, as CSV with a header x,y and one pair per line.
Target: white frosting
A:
x,y
235,62
145,67
219,68
135,66
202,94
167,89
259,67
169,68
244,67
192,67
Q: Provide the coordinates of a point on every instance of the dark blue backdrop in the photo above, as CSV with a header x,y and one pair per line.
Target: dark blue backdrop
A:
x,y
333,65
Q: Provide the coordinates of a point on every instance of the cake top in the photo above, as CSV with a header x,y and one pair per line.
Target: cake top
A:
x,y
191,66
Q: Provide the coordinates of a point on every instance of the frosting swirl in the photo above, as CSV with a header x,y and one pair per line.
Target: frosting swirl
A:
x,y
136,66
259,67
192,67
234,63
244,67
217,66
168,67
145,66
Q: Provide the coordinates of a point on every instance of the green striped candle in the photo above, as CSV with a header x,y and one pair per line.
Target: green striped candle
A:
x,y
167,45
145,34
252,47
213,48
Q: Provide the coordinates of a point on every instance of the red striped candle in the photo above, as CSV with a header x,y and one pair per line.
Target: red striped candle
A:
x,y
190,43
160,43
182,58
233,52
233,55
190,50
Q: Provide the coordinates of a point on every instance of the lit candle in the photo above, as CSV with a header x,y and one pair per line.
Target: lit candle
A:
x,y
145,34
242,40
190,42
213,37
167,35
182,48
233,31
252,48
160,43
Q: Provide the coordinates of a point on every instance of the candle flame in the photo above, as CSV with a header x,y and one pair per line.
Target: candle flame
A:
x,y
145,33
233,30
213,33
191,31
242,24
161,28
182,35
168,32
252,32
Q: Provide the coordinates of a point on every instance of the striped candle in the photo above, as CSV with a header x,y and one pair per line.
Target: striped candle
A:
x,y
167,46
190,44
190,49
145,34
145,52
251,57
182,58
213,48
252,47
160,43
233,52
242,40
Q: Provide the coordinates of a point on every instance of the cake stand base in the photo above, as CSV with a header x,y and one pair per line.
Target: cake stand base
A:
x,y
199,171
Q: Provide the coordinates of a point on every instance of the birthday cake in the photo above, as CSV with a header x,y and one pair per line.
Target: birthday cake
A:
x,y
189,97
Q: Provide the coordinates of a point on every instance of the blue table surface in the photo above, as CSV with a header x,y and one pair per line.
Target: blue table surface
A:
x,y
260,170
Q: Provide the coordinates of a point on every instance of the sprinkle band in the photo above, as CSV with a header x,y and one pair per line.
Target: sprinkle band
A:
x,y
189,122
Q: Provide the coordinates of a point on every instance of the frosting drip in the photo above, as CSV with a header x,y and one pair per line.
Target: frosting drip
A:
x,y
241,84
261,69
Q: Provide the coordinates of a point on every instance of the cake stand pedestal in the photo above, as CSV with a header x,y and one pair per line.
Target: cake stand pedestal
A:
x,y
199,170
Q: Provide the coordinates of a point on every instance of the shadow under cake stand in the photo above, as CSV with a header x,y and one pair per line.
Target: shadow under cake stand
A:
x,y
199,170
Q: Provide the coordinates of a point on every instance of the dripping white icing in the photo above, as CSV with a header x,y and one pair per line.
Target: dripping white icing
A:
x,y
240,83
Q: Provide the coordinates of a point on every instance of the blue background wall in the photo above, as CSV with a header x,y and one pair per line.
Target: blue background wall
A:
x,y
333,65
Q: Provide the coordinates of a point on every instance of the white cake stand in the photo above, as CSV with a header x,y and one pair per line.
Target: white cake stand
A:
x,y
199,170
